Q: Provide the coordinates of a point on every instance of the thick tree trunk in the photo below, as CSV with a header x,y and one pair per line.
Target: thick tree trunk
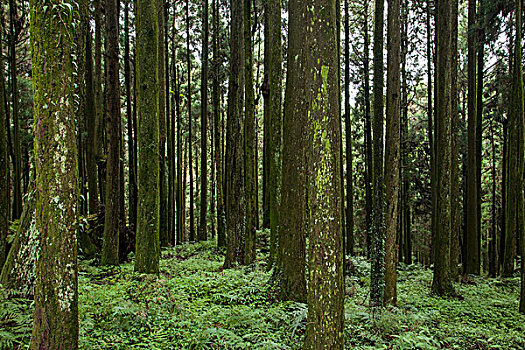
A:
x,y
148,240
293,225
393,111
111,223
235,208
56,297
324,328
249,141
203,230
377,232
442,284
274,124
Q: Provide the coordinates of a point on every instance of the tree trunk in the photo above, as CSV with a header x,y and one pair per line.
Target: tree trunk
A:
x,y
190,122
325,322
235,209
293,226
442,284
4,164
275,121
472,261
180,169
349,140
221,231
111,223
377,233
203,231
265,90
393,110
250,173
56,297
148,240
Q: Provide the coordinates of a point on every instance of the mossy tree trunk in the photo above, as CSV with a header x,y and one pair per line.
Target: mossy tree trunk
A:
x,y
110,244
148,218
4,165
56,300
203,231
235,209
377,231
180,168
442,284
292,237
274,123
250,180
325,322
393,116
265,91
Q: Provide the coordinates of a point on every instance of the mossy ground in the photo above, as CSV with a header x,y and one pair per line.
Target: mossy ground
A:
x,y
195,304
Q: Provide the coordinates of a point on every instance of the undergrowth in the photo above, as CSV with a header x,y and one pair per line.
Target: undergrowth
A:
x,y
195,304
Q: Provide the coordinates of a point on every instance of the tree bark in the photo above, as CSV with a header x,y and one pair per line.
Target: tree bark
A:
x,y
4,164
325,322
56,297
148,240
190,122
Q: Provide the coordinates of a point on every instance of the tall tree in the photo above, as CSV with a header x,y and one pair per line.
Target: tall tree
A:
x,y
163,225
132,163
4,164
349,239
274,122
111,222
56,297
203,232
190,122
292,237
393,111
378,250
515,211
91,126
472,242
442,284
17,155
221,230
250,172
180,168
325,322
235,208
148,240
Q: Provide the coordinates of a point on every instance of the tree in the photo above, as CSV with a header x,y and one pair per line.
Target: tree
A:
x,y
163,225
442,284
472,241
325,322
203,234
274,122
56,300
250,172
235,209
349,240
392,149
17,153
515,211
110,246
190,122
292,230
148,240
221,239
377,235
4,164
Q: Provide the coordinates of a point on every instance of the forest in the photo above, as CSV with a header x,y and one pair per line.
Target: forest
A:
x,y
262,174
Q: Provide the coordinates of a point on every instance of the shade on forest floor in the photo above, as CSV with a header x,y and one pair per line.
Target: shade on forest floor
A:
x,y
195,304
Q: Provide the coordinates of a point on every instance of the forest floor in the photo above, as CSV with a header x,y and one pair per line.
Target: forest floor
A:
x,y
195,304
